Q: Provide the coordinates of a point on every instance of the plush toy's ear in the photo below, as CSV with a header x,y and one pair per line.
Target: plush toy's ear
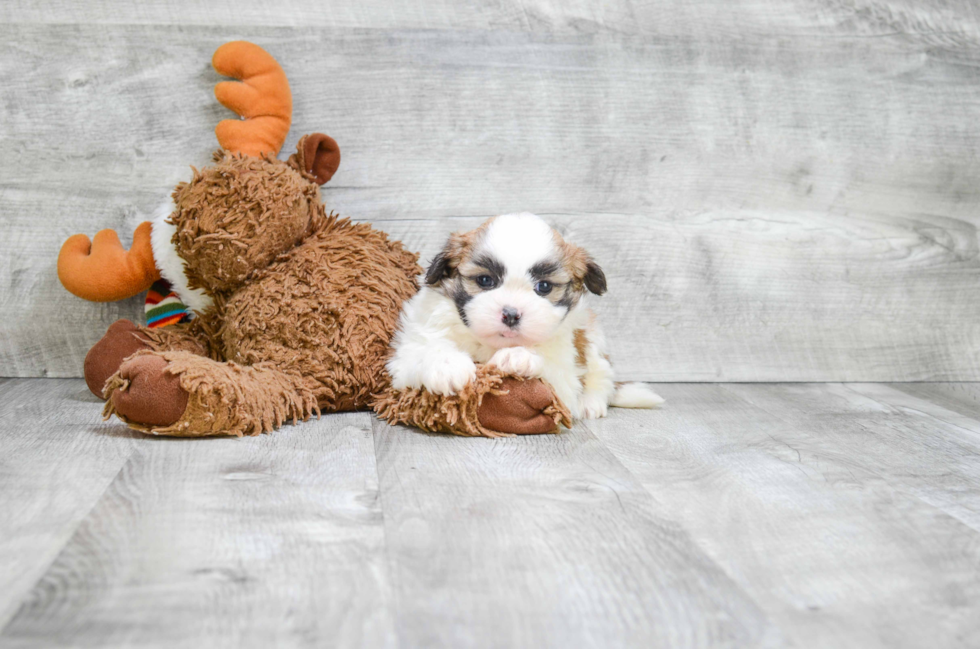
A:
x,y
318,155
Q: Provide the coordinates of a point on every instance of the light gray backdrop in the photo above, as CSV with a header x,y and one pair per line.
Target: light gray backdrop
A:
x,y
778,190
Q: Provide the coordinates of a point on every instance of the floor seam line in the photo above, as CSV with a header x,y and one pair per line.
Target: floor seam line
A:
x,y
74,531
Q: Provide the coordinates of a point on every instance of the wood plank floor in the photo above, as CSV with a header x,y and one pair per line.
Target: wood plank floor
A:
x,y
809,515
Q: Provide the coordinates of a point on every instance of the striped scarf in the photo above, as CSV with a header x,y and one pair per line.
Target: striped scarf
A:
x,y
163,307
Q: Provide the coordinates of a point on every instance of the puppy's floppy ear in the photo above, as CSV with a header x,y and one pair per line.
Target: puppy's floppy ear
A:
x,y
595,279
583,268
445,262
438,270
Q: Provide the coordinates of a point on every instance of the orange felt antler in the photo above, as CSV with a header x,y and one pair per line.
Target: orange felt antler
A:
x,y
262,97
102,270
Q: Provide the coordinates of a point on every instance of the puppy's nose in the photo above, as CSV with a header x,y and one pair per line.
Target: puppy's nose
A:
x,y
510,316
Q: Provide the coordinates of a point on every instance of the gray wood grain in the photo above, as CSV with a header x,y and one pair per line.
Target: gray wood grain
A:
x,y
57,458
934,455
942,22
808,501
420,14
274,541
544,542
963,398
774,194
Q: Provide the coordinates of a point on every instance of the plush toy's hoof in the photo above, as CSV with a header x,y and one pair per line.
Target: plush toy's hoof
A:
x,y
120,341
149,394
522,411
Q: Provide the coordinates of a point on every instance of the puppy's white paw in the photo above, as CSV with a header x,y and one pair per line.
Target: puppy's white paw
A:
x,y
594,406
447,374
518,361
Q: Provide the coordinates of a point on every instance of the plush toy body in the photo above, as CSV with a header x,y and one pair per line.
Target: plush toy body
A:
x,y
295,307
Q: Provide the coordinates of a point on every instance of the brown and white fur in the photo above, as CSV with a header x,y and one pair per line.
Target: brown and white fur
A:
x,y
511,293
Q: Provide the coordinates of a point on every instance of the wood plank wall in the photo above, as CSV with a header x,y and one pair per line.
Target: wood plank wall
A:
x,y
777,190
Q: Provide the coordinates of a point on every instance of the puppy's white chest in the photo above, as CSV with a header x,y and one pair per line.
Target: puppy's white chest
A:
x,y
561,369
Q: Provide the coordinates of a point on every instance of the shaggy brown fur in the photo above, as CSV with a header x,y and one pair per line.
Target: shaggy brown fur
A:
x,y
193,337
236,216
326,309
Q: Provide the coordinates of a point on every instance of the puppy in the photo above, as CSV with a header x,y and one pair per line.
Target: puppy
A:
x,y
512,294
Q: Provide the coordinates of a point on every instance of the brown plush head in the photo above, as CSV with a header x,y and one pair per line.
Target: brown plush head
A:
x,y
236,216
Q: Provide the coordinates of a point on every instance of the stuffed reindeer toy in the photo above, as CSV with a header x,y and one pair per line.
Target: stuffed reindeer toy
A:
x,y
294,308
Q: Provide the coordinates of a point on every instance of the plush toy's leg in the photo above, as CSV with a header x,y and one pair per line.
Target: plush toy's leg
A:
x,y
148,393
186,395
123,339
490,406
523,407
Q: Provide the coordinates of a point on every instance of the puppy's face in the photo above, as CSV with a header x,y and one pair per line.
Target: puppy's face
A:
x,y
514,279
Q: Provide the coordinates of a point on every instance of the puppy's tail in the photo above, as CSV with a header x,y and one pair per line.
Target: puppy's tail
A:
x,y
635,395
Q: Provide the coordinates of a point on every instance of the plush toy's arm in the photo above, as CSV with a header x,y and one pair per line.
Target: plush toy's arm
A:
x,y
491,405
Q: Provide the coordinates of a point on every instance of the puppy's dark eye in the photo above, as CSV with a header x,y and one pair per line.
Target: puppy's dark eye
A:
x,y
543,287
485,281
